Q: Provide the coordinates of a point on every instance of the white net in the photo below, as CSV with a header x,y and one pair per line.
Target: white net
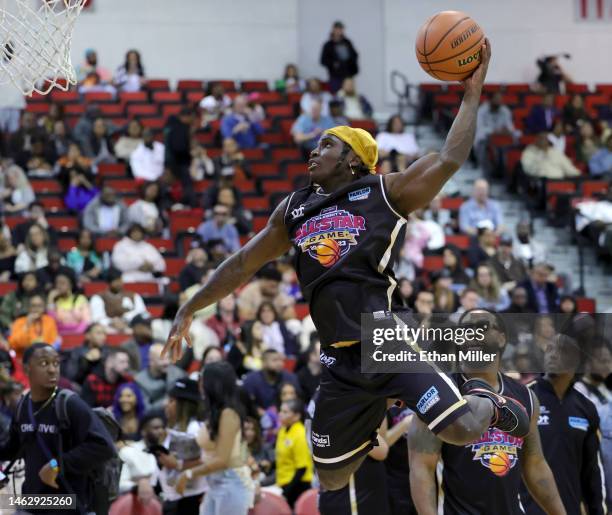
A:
x,y
35,40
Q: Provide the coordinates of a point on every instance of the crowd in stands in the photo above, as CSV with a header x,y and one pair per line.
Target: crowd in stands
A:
x,y
457,255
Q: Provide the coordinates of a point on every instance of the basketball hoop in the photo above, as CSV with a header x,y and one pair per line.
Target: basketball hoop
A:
x,y
35,41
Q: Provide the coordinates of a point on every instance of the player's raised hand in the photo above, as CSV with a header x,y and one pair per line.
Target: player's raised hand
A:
x,y
179,330
474,83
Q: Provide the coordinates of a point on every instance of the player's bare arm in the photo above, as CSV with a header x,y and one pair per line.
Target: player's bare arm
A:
x,y
267,245
421,182
536,473
424,452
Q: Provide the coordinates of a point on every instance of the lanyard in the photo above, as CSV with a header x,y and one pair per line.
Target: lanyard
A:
x,y
39,438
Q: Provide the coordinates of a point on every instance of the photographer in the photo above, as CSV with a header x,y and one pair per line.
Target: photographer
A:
x,y
552,74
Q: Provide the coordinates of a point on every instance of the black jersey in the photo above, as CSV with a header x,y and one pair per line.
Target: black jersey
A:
x,y
347,243
569,430
491,465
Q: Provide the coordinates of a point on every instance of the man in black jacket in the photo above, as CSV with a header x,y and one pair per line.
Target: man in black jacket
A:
x,y
339,57
542,295
177,138
57,461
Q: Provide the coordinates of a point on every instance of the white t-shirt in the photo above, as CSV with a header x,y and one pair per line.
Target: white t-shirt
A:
x,y
404,143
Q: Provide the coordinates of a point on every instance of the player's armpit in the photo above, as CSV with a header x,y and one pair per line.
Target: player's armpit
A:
x,y
423,451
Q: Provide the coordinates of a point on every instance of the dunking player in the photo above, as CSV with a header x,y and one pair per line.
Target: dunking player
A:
x,y
347,228
495,462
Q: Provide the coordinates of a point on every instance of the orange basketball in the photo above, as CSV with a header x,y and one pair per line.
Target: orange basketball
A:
x,y
328,252
448,45
500,463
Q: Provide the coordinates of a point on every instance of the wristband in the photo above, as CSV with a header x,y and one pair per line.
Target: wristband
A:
x,y
54,465
189,474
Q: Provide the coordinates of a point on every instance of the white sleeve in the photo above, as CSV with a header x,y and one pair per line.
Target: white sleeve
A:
x,y
98,311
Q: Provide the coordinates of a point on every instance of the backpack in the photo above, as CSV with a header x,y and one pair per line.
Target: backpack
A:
x,y
103,479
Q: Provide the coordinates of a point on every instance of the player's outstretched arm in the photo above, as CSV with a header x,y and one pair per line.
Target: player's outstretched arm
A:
x,y
421,182
424,452
536,473
270,243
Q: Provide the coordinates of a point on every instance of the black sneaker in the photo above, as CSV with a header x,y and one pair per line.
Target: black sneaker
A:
x,y
510,415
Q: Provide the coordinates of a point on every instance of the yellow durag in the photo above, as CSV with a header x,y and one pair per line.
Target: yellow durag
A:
x,y
361,141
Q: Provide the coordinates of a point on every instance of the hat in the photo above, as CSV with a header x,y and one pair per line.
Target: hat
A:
x,y
186,389
360,141
143,319
338,25
505,239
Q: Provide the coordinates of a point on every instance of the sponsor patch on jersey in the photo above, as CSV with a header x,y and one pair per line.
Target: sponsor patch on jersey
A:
x,y
328,361
429,399
320,440
497,451
579,423
544,418
361,194
328,236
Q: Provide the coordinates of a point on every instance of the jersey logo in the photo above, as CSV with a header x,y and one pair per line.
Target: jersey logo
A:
x,y
428,400
544,418
497,451
361,194
326,360
297,212
579,423
329,235
319,440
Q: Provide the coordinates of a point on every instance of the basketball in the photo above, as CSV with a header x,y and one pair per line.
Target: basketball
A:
x,y
500,463
328,252
448,45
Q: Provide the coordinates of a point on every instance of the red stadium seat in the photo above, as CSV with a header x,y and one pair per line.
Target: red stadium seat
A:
x,y
98,96
245,185
153,123
272,138
136,97
123,185
296,169
269,97
280,154
93,288
253,154
170,109
142,110
452,203
586,305
228,85
12,221
38,108
188,85
280,111
66,244
462,241
52,204
7,288
64,97
71,341
158,85
174,266
560,187
110,110
74,109
163,245
531,100
302,310
155,310
518,88
115,340
63,223
259,222
194,97
167,97
256,203
368,125
265,170
112,169
561,100
501,140
106,244
527,139
47,186
606,89
573,88
184,224
145,289
307,503
591,188
254,85
492,88
272,186
430,88
431,263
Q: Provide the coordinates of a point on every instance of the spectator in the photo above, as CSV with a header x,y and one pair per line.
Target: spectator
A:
x,y
567,305
245,355
397,144
147,161
32,328
16,304
220,228
138,260
424,303
73,160
468,300
557,136
492,295
83,130
215,104
587,142
80,192
339,57
100,386
294,467
16,194
541,160
47,274
37,159
128,409
34,254
291,82
129,142
56,113
36,215
308,128
12,103
83,258
21,140
552,75
482,248
140,344
177,141
263,386
275,333
158,378
314,93
182,496
59,139
145,211
238,124
91,66
115,307
309,376
194,268
445,299
493,118
239,217
518,301
130,76
411,254
356,106
106,215
480,208
225,322
453,262
594,220
526,248
202,167
231,163
83,360
100,146
542,295
440,215
69,309
600,164
261,454
8,254
336,113
255,110
265,287
542,117
509,270
574,113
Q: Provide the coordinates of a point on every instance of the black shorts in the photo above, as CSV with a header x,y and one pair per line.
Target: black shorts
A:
x,y
350,405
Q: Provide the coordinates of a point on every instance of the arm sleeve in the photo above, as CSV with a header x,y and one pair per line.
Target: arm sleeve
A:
x,y
592,476
91,442
596,164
